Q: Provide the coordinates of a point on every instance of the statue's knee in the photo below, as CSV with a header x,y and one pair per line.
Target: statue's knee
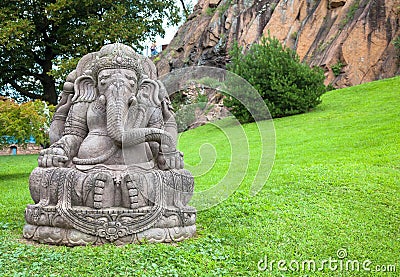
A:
x,y
179,186
187,180
34,183
42,187
95,190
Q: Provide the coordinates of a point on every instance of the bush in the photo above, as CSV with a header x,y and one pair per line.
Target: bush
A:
x,y
287,85
20,121
185,108
337,68
396,43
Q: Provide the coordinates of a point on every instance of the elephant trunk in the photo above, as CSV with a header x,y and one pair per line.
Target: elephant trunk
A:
x,y
117,110
140,135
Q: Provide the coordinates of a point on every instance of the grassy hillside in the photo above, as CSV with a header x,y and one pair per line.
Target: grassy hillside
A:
x,y
334,191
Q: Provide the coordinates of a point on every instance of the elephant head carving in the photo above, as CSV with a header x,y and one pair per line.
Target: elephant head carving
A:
x,y
121,80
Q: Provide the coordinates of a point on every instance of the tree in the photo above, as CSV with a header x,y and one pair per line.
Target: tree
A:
x,y
20,121
42,40
286,85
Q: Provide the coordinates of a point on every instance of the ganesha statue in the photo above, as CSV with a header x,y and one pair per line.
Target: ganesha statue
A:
x,y
113,173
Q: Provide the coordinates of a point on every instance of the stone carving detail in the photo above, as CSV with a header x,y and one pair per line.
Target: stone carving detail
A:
x,y
112,172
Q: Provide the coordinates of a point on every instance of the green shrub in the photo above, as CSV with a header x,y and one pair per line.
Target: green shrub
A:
x,y
396,43
286,85
337,68
210,11
350,14
185,108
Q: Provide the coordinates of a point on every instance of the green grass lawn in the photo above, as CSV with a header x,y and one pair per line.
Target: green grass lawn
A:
x,y
335,186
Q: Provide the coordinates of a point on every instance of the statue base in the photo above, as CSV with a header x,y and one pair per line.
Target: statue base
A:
x,y
113,225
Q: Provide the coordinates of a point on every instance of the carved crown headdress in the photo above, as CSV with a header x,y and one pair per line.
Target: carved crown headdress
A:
x,y
117,55
111,56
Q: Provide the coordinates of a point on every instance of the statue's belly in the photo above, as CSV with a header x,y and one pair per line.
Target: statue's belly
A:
x,y
94,146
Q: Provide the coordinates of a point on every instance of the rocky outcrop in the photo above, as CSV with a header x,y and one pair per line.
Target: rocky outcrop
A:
x,y
198,105
352,40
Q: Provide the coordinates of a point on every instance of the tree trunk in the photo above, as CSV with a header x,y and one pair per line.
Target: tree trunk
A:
x,y
48,82
49,89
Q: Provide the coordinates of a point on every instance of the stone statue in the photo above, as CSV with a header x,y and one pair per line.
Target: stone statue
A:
x,y
112,172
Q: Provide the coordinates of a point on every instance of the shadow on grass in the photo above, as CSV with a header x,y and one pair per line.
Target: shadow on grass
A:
x,y
14,176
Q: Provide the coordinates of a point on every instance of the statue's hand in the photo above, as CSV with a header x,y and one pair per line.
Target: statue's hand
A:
x,y
52,157
170,160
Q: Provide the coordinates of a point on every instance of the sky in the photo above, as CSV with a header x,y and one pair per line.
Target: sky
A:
x,y
169,34
169,31
166,39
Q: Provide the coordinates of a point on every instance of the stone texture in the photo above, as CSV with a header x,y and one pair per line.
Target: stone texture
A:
x,y
355,33
112,172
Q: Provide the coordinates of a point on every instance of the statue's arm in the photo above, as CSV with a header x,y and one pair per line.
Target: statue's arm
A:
x,y
60,153
166,154
155,121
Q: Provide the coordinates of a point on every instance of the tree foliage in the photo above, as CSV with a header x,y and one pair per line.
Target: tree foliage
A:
x,y
287,85
20,121
42,40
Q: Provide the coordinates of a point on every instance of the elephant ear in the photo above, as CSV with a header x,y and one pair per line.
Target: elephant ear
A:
x,y
149,91
85,90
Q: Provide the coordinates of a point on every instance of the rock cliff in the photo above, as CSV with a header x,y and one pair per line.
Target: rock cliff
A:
x,y
352,40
